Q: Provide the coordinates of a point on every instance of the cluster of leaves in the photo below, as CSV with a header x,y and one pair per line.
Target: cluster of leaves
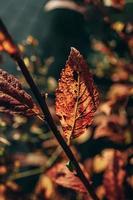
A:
x,y
111,47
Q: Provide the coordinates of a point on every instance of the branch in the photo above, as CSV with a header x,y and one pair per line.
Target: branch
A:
x,y
39,170
42,103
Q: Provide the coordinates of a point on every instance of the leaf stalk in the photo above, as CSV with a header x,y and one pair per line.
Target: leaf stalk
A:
x,y
43,105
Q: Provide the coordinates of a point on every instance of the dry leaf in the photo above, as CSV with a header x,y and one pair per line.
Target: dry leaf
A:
x,y
45,187
13,99
61,175
111,127
118,92
114,177
76,97
101,161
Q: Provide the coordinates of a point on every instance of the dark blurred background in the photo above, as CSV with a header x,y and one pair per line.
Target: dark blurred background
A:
x,y
59,29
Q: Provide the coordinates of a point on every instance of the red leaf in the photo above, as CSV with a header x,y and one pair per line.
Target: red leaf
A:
x,y
119,4
76,97
61,175
114,177
13,99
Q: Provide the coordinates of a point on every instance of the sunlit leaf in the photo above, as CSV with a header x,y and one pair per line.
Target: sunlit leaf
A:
x,y
76,97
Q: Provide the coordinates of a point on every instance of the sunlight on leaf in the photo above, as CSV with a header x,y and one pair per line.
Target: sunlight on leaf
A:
x,y
76,97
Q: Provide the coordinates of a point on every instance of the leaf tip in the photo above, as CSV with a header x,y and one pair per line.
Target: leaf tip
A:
x,y
74,57
74,52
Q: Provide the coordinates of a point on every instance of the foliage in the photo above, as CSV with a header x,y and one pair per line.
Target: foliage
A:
x,y
32,165
13,99
76,97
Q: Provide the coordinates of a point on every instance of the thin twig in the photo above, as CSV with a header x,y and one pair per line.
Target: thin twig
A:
x,y
39,170
42,103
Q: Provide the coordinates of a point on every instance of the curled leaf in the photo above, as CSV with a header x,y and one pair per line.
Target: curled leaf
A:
x,y
76,97
13,99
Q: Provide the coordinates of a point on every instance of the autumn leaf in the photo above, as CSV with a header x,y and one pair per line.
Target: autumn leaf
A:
x,y
6,43
45,187
13,99
114,177
61,175
111,126
76,96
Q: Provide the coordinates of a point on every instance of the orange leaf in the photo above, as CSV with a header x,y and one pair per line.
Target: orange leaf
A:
x,y
76,97
61,175
6,43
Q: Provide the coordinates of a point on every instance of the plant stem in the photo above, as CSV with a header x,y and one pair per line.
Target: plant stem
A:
x,y
39,170
41,101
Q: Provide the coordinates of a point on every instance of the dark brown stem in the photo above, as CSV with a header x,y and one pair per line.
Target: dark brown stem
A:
x,y
41,101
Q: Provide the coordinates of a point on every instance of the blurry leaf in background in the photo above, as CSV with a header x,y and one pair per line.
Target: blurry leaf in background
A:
x,y
4,141
6,43
119,4
118,94
45,188
112,128
61,175
114,177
